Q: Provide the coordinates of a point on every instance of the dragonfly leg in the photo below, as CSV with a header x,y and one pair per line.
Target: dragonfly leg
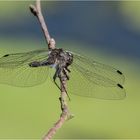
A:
x,y
61,80
65,73
67,69
56,76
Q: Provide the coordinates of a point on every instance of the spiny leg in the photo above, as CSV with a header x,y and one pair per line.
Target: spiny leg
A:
x,y
64,77
67,69
61,78
65,73
56,76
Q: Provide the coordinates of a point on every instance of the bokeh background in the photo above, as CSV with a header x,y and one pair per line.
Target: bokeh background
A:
x,y
109,32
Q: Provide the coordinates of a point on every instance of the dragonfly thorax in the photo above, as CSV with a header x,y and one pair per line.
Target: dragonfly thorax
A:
x,y
60,57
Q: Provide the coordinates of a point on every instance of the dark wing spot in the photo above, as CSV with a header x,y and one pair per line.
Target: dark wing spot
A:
x,y
120,86
6,55
119,72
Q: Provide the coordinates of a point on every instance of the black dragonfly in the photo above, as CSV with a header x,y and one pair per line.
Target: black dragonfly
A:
x,y
85,77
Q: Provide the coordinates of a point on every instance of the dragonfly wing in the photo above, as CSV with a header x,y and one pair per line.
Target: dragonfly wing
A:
x,y
92,79
17,59
99,73
15,69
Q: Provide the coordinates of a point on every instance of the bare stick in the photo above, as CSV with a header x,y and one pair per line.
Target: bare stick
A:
x,y
36,10
65,115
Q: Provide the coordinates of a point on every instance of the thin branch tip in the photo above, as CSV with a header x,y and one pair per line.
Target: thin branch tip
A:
x,y
33,10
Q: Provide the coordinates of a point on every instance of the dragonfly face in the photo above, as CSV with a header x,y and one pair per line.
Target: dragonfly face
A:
x,y
88,78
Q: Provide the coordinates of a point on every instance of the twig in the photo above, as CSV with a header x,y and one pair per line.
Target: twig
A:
x,y
65,115
36,11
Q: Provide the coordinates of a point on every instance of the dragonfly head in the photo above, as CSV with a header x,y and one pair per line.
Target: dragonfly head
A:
x,y
69,58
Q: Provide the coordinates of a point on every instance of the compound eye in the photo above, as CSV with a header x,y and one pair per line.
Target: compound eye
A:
x,y
70,54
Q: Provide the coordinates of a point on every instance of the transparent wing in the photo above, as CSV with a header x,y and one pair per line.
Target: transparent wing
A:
x,y
15,69
93,79
17,59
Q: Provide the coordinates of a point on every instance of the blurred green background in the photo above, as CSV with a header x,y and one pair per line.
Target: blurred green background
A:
x,y
109,32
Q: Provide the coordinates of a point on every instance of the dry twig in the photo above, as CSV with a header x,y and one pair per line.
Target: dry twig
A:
x,y
65,115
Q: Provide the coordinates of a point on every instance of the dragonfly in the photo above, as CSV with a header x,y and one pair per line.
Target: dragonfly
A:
x,y
85,76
